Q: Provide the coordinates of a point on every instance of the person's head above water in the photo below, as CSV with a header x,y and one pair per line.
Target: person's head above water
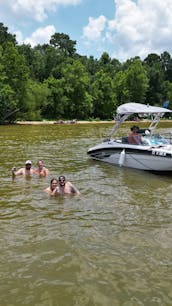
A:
x,y
53,183
62,180
28,164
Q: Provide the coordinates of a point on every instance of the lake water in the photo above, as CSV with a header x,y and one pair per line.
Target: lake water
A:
x,y
110,246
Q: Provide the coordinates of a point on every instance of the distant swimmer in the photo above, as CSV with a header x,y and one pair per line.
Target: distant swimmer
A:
x,y
66,187
41,170
51,190
27,171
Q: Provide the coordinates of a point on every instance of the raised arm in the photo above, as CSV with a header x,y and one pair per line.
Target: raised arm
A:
x,y
16,172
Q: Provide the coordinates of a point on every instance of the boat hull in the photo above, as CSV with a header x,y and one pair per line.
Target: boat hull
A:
x,y
137,157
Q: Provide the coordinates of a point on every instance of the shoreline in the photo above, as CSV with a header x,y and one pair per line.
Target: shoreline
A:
x,y
72,122
61,123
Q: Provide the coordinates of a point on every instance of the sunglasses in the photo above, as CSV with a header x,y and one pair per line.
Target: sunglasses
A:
x,y
62,180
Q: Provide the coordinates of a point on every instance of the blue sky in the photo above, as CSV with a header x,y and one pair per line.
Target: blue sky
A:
x,y
123,28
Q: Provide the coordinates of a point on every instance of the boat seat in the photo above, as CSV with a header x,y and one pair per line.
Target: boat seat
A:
x,y
125,139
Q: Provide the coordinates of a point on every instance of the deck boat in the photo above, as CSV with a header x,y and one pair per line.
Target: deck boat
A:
x,y
153,154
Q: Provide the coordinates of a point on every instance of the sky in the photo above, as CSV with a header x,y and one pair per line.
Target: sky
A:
x,y
122,28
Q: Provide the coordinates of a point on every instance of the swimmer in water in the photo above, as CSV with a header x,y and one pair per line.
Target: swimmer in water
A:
x,y
41,170
27,171
66,187
51,190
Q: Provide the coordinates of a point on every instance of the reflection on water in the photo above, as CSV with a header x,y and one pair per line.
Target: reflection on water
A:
x,y
111,246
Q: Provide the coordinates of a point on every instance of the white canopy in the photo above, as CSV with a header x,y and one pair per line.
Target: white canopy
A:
x,y
133,108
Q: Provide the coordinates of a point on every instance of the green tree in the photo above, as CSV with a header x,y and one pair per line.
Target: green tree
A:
x,y
91,64
108,65
36,99
63,43
5,36
68,96
35,60
167,91
131,84
54,108
167,66
136,81
16,73
104,96
121,89
8,103
156,78
52,59
76,89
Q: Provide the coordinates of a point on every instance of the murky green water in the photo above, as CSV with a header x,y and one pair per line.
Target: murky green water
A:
x,y
111,246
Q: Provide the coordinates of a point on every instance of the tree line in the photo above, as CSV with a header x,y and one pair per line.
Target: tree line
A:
x,y
52,81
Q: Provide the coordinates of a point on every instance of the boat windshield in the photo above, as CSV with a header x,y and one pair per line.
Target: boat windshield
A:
x,y
154,140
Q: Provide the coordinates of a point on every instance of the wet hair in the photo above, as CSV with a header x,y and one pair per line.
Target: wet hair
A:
x,y
53,179
40,160
62,177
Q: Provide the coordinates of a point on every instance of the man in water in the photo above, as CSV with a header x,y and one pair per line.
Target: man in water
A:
x,y
27,171
66,187
41,170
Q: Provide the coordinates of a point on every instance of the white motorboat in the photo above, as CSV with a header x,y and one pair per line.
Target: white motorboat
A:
x,y
153,154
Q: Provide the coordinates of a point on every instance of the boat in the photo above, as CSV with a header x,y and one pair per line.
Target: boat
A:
x,y
154,153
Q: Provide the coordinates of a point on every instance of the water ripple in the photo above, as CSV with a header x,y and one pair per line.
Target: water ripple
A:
x,y
111,246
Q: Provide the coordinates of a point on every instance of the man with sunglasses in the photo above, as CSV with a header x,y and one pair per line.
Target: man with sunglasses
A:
x,y
66,187
27,171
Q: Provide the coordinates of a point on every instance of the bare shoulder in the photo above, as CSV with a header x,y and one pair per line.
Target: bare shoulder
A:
x,y
47,190
73,188
52,192
47,172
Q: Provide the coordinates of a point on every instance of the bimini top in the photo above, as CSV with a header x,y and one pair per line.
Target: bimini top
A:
x,y
133,108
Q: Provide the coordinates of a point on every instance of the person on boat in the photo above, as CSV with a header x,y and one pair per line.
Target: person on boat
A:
x,y
51,190
135,137
27,171
41,170
66,187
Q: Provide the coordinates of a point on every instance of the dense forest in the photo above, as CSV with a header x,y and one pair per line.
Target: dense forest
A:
x,y
51,81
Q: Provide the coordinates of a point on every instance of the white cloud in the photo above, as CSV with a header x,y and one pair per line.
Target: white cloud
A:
x,y
143,27
94,28
138,28
36,9
40,36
